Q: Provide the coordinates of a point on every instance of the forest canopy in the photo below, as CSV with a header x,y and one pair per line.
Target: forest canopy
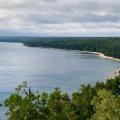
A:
x,y
99,102
109,46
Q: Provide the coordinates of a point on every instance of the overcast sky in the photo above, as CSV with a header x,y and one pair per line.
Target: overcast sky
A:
x,y
60,17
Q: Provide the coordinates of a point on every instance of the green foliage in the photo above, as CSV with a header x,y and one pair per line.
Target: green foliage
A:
x,y
82,102
110,46
25,105
106,105
114,85
99,102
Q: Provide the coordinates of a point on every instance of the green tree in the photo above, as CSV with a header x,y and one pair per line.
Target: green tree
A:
x,y
99,102
106,106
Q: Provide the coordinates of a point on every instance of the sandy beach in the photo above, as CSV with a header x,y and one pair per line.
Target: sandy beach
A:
x,y
117,71
101,55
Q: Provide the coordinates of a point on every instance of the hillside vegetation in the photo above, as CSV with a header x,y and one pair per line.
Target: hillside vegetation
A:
x,y
99,102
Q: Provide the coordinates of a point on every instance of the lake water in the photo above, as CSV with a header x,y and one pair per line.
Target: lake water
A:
x,y
46,68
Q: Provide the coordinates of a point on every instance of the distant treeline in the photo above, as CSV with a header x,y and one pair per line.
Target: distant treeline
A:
x,y
110,46
22,39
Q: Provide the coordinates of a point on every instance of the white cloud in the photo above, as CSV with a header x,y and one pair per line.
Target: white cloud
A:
x,y
60,17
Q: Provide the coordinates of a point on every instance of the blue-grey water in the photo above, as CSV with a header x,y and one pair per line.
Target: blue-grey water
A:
x,y
46,68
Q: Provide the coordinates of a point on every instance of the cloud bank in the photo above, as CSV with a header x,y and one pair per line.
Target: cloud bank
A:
x,y
60,17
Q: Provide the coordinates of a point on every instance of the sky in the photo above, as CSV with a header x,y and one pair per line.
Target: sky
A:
x,y
60,17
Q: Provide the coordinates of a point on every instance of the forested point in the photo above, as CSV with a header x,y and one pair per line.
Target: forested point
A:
x,y
99,102
109,46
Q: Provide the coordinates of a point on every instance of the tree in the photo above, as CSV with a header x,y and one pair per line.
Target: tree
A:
x,y
106,106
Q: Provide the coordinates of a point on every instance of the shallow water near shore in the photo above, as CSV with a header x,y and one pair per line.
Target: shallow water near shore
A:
x,y
46,68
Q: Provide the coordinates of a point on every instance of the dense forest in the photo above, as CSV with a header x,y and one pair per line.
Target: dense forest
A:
x,y
99,102
110,46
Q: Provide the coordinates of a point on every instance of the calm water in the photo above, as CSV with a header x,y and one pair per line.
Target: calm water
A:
x,y
45,69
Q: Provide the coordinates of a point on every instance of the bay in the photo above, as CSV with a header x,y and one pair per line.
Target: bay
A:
x,y
45,69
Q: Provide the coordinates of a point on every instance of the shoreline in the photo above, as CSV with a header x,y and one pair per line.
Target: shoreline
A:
x,y
101,55
114,74
86,52
117,70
